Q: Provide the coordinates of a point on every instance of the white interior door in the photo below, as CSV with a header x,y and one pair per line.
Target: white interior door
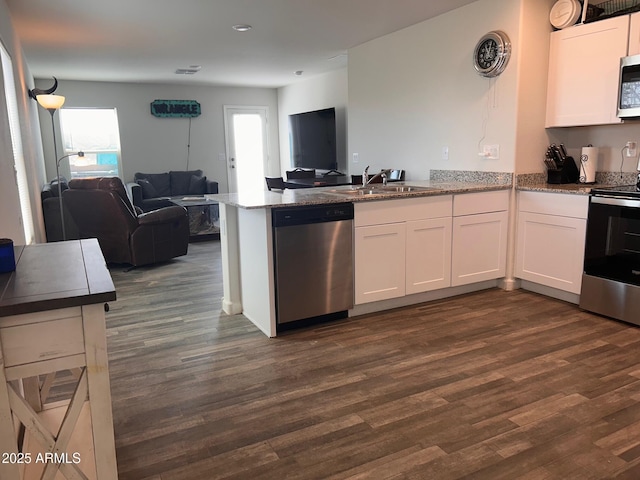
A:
x,y
247,147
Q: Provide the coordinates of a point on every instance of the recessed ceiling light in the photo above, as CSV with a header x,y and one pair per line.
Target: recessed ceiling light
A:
x,y
242,28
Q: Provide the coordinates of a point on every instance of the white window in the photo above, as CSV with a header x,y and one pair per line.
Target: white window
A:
x,y
93,131
16,143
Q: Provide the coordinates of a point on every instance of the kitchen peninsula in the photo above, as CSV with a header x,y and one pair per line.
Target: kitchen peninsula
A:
x,y
466,218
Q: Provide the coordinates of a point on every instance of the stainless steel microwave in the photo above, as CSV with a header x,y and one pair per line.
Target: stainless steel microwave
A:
x,y
629,90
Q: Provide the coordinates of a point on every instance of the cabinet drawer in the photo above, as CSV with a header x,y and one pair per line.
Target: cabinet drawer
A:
x,y
42,341
483,202
401,210
561,204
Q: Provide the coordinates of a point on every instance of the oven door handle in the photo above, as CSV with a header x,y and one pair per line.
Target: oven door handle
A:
x,y
617,201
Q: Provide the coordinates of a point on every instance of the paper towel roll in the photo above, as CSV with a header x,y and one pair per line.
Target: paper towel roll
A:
x,y
588,164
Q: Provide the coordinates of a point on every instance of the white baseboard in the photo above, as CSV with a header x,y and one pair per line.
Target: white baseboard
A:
x,y
407,300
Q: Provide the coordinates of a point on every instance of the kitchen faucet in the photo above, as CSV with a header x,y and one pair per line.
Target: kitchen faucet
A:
x,y
366,180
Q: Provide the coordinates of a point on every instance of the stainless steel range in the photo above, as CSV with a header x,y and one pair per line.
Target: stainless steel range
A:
x,y
611,278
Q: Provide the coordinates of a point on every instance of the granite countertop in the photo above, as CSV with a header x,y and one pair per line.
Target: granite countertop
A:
x,y
536,182
323,195
571,188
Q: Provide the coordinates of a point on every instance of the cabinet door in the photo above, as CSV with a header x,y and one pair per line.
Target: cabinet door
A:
x,y
550,250
479,248
584,63
634,35
379,262
428,255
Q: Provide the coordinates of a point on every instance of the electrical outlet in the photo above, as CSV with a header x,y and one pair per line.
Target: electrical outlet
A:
x,y
356,157
491,152
445,153
631,149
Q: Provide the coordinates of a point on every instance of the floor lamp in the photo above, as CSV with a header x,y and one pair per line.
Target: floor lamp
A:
x,y
53,103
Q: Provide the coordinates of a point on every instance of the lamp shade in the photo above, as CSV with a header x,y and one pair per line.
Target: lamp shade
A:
x,y
50,102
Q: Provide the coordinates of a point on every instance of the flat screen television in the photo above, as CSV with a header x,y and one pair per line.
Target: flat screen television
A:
x,y
312,139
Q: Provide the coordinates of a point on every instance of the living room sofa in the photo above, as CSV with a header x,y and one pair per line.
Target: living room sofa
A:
x,y
151,191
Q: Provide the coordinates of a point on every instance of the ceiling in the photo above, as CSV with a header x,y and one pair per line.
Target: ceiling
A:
x,y
147,40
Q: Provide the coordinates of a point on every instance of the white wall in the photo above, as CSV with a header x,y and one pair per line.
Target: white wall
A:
x,y
10,223
151,144
415,91
610,139
323,91
533,63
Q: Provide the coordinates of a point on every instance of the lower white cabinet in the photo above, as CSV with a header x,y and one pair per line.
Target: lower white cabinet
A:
x,y
428,255
479,247
550,246
480,228
379,262
402,247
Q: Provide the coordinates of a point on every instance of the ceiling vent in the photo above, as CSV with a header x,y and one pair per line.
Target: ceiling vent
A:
x,y
186,71
192,70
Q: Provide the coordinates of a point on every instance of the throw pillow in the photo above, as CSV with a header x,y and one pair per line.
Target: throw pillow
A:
x,y
148,190
54,186
160,181
180,180
197,185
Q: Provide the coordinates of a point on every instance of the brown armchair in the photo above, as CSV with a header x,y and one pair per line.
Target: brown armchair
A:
x,y
101,209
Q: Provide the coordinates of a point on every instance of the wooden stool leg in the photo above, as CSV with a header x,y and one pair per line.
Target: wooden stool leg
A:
x,y
95,338
8,471
31,387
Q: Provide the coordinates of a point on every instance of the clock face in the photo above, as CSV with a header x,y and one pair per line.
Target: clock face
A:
x,y
487,54
491,54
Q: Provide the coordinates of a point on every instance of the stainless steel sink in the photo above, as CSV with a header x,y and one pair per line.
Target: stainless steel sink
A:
x,y
380,190
404,188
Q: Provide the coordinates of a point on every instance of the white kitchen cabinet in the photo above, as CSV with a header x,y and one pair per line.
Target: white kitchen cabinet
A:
x,y
634,34
380,262
479,248
550,239
428,255
480,222
402,247
584,63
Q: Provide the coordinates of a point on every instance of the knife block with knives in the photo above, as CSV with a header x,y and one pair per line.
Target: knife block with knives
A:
x,y
561,168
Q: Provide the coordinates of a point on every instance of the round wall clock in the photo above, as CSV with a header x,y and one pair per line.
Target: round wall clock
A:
x,y
492,53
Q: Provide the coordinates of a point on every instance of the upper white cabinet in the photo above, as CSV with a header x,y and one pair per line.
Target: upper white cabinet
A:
x,y
480,222
551,235
634,35
584,64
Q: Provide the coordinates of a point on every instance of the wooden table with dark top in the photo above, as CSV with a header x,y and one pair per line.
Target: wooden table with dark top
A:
x,y
52,319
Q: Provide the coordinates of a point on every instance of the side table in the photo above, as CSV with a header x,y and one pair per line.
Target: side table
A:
x,y
52,319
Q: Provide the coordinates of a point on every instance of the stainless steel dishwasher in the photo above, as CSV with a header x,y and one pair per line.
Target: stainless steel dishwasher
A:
x,y
313,257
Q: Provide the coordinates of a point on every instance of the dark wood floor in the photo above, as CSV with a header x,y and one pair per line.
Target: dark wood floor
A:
x,y
492,385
